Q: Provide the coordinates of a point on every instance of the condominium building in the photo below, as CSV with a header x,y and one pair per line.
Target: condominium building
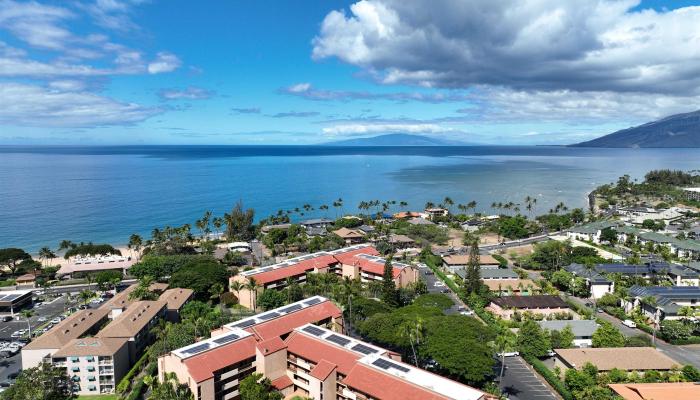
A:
x,y
213,368
81,323
94,365
355,262
135,325
304,359
175,299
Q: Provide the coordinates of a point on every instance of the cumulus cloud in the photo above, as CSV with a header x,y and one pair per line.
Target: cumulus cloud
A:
x,y
189,93
296,114
36,24
164,62
533,45
31,105
363,129
307,91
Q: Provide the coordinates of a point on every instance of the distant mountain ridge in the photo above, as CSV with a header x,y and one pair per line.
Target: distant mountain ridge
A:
x,y
680,130
397,139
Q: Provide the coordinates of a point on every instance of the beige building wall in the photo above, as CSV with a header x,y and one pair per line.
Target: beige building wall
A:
x,y
32,358
172,364
244,297
351,271
272,365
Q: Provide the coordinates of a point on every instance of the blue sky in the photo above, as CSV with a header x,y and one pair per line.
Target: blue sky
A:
x,y
290,72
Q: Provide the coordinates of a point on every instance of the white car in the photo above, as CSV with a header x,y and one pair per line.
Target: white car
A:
x,y
439,284
56,320
42,319
629,323
508,354
17,334
467,312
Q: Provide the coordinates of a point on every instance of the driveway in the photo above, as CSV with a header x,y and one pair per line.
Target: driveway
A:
x,y
430,282
686,354
520,382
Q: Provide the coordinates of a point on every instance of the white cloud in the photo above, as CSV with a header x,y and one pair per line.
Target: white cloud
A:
x,y
67,85
534,45
189,93
299,87
362,129
36,24
30,105
164,62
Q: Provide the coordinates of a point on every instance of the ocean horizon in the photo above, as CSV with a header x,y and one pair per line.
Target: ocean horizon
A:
x,y
106,193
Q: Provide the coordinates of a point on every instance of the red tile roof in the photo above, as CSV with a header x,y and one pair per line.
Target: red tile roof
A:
x,y
322,370
316,350
271,345
348,257
202,366
372,267
386,387
299,268
287,323
282,382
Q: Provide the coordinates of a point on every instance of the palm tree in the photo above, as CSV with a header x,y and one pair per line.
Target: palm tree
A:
x,y
429,204
413,331
46,254
236,287
86,295
27,314
135,243
403,204
651,301
218,222
471,205
252,287
505,342
448,202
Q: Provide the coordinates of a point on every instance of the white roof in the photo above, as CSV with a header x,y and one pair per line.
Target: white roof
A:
x,y
276,313
695,189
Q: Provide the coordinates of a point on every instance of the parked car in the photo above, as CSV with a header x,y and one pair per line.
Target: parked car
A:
x,y
438,284
6,318
56,320
629,323
600,310
508,354
467,312
42,319
445,291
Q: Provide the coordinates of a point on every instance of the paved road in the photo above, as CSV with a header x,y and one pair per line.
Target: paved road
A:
x,y
430,282
686,354
520,382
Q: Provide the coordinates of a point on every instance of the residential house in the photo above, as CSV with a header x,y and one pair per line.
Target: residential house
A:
x,y
605,359
598,285
454,262
511,287
544,305
582,329
316,223
26,281
420,221
692,193
589,232
350,236
668,300
436,212
400,241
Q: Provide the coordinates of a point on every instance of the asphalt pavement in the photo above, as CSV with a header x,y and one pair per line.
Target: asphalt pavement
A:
x,y
520,382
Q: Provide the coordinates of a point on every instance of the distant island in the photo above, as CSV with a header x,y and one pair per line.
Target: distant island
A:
x,y
680,130
397,139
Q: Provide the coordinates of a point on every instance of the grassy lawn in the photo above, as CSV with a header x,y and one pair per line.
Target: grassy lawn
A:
x,y
99,397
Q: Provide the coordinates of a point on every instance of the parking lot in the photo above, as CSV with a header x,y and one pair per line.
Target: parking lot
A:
x,y
430,280
45,314
520,382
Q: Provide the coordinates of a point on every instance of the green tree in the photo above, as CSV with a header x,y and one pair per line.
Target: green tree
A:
x,y
505,342
676,330
608,336
169,389
472,279
609,235
43,382
389,293
46,254
143,290
533,340
257,387
200,275
107,279
11,258
239,223
135,243
271,298
690,374
563,339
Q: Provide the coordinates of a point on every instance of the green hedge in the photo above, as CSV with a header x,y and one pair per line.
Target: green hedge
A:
x,y
125,383
501,260
140,385
549,376
690,340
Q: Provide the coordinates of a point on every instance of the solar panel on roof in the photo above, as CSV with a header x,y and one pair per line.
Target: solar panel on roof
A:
x,y
338,339
291,308
361,348
384,364
2,296
313,330
245,324
10,297
226,339
196,349
270,315
265,269
312,301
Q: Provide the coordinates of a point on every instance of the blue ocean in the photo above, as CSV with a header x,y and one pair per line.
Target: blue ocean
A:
x,y
104,194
